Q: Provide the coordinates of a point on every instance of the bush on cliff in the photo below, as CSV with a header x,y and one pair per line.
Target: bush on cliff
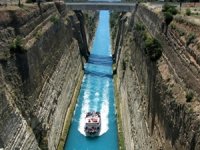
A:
x,y
54,19
114,17
190,39
169,8
169,11
168,18
189,96
153,48
188,12
139,27
16,45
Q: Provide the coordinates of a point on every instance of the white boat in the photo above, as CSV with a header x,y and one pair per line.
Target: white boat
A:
x,y
92,123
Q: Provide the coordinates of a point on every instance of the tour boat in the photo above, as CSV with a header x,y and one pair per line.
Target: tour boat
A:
x,y
92,123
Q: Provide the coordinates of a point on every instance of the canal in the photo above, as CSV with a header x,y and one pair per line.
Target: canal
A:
x,y
96,94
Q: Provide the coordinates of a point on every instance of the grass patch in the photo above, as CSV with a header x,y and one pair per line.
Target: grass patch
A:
x,y
119,120
69,114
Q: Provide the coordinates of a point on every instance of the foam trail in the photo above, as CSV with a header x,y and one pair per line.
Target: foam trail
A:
x,y
104,111
84,110
95,102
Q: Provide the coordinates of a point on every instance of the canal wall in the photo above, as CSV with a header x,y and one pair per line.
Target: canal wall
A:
x,y
40,63
155,111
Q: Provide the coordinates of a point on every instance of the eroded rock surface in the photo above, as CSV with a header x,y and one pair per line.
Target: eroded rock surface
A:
x,y
37,81
155,111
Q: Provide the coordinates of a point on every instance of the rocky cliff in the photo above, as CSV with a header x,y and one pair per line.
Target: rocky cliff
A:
x,y
159,100
40,65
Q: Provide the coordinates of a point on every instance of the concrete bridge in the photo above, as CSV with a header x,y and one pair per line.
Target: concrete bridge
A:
x,y
101,6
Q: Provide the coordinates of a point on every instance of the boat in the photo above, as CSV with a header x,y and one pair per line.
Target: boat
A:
x,y
92,123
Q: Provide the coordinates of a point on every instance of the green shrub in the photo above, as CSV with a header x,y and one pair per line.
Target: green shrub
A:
x,y
54,19
169,8
189,96
188,12
165,7
181,32
16,45
168,18
29,1
173,26
139,27
114,16
173,10
153,48
38,34
190,39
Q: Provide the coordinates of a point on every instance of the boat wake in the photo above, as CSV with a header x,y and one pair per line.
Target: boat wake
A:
x,y
104,117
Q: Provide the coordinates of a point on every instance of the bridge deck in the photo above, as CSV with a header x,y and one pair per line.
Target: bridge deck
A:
x,y
101,6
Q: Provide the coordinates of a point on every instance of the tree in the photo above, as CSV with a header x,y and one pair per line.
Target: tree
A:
x,y
39,2
168,20
19,3
180,5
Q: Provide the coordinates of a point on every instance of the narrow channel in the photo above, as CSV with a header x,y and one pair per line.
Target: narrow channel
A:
x,y
96,94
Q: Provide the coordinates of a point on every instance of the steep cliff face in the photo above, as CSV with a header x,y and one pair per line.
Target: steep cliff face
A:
x,y
154,94
40,65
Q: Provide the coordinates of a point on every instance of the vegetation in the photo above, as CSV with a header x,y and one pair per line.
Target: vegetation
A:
x,y
29,1
190,39
38,34
169,8
19,3
173,26
16,45
180,31
139,27
90,22
54,19
169,11
153,48
188,12
113,19
113,23
168,18
189,96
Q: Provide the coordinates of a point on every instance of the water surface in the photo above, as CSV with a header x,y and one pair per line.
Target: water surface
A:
x,y
96,94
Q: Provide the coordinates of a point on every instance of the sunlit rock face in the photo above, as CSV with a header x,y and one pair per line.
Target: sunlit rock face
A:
x,y
156,113
37,80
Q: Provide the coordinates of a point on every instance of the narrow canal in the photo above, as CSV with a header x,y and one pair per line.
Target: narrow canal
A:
x,y
96,94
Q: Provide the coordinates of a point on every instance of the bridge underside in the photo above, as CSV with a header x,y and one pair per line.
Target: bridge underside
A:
x,y
101,6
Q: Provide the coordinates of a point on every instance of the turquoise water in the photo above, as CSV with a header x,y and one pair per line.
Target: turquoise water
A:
x,y
96,94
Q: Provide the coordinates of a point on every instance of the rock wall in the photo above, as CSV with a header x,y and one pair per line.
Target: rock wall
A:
x,y
153,94
37,82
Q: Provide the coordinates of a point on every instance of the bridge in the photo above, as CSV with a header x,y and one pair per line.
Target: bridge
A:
x,y
116,6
